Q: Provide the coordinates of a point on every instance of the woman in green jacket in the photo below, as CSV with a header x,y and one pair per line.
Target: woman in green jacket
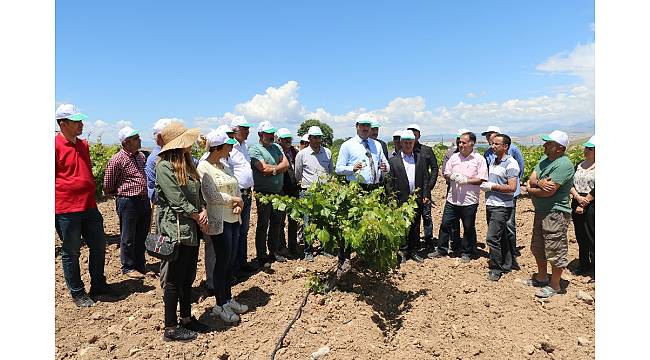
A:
x,y
181,212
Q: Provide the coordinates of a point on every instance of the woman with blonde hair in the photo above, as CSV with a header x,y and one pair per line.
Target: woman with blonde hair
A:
x,y
224,204
180,215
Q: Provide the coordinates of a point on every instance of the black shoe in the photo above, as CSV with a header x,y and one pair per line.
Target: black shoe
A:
x,y
179,333
83,300
493,276
417,258
465,258
280,258
249,267
515,266
436,254
196,326
99,290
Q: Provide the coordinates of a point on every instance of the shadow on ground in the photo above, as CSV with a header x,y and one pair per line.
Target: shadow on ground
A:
x,y
254,297
389,303
121,290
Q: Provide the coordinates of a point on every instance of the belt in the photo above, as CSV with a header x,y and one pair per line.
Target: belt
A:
x,y
137,197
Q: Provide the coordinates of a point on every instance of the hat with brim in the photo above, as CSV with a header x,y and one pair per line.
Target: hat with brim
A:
x,y
240,121
374,125
407,135
314,131
364,122
126,133
414,127
591,143
266,127
177,136
491,129
283,133
305,138
557,136
70,112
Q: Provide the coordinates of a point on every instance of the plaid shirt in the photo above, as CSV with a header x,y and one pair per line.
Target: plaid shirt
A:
x,y
125,175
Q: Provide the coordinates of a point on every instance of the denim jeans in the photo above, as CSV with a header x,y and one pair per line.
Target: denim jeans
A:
x,y
71,228
267,233
450,215
512,229
241,255
498,239
135,218
176,280
225,254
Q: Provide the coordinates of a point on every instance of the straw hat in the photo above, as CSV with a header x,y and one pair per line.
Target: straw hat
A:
x,y
177,136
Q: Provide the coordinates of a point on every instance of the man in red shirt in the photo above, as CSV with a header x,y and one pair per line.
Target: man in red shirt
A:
x,y
125,178
76,213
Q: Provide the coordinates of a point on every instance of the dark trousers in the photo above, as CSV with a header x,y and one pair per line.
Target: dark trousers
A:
x,y
498,239
427,222
73,228
267,233
511,227
241,257
135,218
225,253
413,234
455,228
177,283
450,215
292,230
585,229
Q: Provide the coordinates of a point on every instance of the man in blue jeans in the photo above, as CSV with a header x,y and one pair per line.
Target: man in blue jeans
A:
x,y
76,213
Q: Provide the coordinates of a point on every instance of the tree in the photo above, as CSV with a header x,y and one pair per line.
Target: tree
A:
x,y
328,133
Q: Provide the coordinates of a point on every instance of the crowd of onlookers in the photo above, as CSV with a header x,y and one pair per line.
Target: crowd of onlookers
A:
x,y
189,199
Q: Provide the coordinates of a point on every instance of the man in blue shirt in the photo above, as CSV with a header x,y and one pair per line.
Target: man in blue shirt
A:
x,y
361,158
150,166
513,151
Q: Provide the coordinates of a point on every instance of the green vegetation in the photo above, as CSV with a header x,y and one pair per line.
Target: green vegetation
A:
x,y
100,155
328,133
342,214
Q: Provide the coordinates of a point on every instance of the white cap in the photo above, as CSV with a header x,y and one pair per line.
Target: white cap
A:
x,y
591,143
126,132
461,132
375,124
69,111
414,126
491,129
558,136
305,138
239,121
407,135
218,137
397,133
225,128
160,125
283,133
266,127
314,131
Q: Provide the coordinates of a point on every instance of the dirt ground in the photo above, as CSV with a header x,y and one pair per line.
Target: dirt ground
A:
x,y
439,309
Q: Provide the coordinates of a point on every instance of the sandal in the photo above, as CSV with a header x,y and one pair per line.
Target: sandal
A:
x,y
536,283
546,292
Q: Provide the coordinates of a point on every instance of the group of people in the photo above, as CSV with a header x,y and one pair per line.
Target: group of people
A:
x,y
210,198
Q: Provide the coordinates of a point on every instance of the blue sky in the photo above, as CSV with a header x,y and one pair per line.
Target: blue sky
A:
x,y
444,65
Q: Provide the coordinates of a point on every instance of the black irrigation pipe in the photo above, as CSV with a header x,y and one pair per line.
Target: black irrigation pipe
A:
x,y
278,345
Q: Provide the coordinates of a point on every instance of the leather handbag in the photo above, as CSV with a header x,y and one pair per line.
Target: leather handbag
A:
x,y
161,246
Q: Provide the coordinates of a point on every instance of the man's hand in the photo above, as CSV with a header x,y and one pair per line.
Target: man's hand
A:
x,y
425,200
580,210
357,166
383,167
546,184
582,200
458,178
486,186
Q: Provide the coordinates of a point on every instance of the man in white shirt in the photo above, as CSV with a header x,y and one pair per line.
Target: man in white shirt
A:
x,y
240,163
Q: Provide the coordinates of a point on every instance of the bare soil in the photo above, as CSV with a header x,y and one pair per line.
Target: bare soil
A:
x,y
439,309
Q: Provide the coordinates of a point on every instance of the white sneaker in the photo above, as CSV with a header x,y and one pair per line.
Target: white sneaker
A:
x,y
225,313
236,307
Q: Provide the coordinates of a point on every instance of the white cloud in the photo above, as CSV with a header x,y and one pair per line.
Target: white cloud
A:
x,y
579,62
122,123
566,104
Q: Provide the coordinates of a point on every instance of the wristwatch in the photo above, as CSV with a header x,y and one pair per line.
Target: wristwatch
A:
x,y
274,170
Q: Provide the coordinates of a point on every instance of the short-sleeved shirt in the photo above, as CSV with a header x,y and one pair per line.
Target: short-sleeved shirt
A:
x,y
74,185
311,166
271,155
513,151
472,166
500,173
240,164
561,172
125,175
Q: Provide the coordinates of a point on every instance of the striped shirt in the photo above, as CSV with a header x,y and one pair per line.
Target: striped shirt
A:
x,y
500,173
125,175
